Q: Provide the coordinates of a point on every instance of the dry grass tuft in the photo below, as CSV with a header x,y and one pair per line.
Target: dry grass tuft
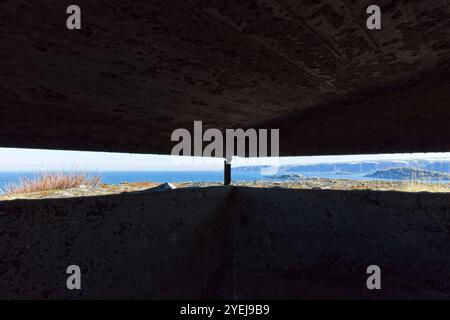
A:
x,y
52,181
417,186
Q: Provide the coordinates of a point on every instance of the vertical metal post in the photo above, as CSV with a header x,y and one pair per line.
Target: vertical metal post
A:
x,y
227,173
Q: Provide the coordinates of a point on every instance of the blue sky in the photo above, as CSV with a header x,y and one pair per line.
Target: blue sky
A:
x,y
15,160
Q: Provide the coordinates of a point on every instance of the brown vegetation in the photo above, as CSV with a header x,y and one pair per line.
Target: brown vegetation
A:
x,y
52,181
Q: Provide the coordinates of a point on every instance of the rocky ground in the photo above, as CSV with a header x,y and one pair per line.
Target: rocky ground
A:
x,y
347,184
310,183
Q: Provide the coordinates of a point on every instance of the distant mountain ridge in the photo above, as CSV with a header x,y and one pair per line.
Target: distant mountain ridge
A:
x,y
409,174
442,166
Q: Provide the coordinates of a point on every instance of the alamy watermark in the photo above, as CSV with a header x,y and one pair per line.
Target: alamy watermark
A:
x,y
73,22
252,143
74,280
374,280
373,22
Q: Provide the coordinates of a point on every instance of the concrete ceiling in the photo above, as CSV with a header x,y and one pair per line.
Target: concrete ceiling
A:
x,y
140,69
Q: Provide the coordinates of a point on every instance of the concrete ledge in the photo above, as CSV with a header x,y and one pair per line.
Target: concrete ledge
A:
x,y
306,244
228,242
151,246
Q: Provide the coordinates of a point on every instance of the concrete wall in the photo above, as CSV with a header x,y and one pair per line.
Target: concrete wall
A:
x,y
228,242
161,245
408,120
138,70
318,244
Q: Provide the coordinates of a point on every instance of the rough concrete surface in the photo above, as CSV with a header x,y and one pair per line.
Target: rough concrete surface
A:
x,y
317,244
228,242
137,70
150,246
